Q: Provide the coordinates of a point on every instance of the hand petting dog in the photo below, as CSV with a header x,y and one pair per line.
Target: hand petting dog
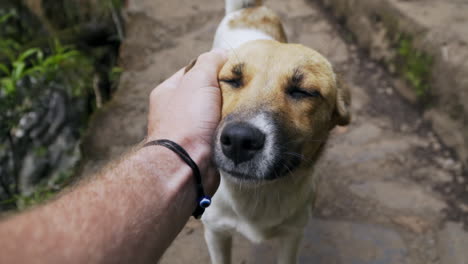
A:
x,y
186,108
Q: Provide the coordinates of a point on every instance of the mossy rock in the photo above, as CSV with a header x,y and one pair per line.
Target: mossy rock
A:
x,y
414,65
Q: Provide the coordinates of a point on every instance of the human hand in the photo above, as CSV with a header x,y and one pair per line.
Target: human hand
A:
x,y
186,108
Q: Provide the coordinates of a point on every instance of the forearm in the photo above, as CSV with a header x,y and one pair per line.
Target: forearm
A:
x,y
132,211
111,219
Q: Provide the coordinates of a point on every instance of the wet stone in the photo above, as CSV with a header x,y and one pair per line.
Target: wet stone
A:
x,y
398,196
453,241
340,242
364,134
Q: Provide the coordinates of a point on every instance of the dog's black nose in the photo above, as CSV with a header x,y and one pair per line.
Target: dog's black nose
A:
x,y
241,141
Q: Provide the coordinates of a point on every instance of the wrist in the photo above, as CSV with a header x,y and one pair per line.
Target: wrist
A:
x,y
198,150
204,201
154,160
201,153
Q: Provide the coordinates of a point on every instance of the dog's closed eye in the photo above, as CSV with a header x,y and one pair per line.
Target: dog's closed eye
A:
x,y
294,89
298,93
234,82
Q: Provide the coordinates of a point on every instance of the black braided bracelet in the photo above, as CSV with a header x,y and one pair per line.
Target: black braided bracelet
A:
x,y
203,201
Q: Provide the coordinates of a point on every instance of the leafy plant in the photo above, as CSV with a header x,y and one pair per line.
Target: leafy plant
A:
x,y
43,192
48,89
415,66
35,66
26,77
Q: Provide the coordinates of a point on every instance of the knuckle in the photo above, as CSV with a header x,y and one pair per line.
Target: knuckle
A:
x,y
210,58
154,93
203,76
207,56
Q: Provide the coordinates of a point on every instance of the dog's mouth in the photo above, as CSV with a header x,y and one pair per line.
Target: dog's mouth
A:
x,y
254,149
279,170
238,175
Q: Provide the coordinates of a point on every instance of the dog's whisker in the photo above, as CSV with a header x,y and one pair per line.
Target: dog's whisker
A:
x,y
294,154
287,167
278,201
308,140
300,156
256,197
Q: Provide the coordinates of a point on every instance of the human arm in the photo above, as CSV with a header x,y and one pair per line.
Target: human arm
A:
x,y
132,210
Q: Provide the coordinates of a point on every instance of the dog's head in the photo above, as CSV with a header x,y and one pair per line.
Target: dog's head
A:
x,y
279,103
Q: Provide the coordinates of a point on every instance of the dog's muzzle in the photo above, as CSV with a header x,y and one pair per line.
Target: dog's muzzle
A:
x,y
241,141
254,147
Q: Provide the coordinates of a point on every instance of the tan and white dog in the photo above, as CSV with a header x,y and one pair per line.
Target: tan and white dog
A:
x,y
280,101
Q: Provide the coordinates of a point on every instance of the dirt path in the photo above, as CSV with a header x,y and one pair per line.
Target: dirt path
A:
x,y
387,181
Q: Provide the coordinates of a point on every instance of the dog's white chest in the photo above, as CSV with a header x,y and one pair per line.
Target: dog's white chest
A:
x,y
257,215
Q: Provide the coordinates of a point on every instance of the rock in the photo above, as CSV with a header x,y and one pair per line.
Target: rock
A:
x,y
453,241
190,247
364,134
413,223
331,242
50,143
446,163
404,128
32,170
405,90
433,174
389,91
367,149
463,207
344,242
360,98
436,36
398,196
436,146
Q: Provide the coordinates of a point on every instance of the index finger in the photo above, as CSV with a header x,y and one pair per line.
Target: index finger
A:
x,y
206,69
174,80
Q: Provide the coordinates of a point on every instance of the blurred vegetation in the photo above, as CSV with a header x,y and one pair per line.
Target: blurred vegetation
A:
x,y
414,65
52,48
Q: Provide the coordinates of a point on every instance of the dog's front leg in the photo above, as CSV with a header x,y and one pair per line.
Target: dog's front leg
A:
x,y
289,248
219,246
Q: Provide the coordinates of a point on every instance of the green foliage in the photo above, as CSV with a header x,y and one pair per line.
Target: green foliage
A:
x,y
26,75
36,66
44,191
40,195
40,151
13,29
5,17
114,74
415,66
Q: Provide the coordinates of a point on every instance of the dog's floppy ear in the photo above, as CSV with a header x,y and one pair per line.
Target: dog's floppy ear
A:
x,y
190,65
342,112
